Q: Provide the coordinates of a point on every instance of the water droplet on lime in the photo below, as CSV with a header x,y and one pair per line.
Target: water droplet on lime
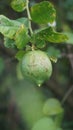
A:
x,y
39,82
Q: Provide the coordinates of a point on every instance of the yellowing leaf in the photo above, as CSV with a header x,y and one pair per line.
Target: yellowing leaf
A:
x,y
53,53
9,27
54,59
49,35
21,37
23,20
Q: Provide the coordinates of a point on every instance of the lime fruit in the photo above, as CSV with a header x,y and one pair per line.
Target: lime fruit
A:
x,y
36,66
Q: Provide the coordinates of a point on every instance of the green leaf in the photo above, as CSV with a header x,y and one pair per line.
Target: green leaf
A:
x,y
44,124
39,43
52,107
70,37
43,13
21,37
19,55
53,53
9,43
6,21
9,27
18,5
49,35
23,21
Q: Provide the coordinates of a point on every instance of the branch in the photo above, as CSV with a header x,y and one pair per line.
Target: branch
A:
x,y
70,58
59,92
67,94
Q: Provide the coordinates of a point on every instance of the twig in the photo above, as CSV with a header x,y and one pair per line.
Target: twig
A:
x,y
54,87
70,59
67,55
67,94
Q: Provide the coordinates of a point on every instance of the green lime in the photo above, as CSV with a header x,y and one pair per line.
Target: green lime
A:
x,y
36,65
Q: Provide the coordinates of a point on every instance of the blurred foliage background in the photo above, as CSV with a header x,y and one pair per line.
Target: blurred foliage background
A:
x,y
21,102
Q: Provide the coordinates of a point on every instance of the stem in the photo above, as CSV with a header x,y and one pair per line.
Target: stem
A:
x,y
29,17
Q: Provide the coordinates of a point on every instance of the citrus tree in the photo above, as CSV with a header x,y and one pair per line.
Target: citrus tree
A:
x,y
34,53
